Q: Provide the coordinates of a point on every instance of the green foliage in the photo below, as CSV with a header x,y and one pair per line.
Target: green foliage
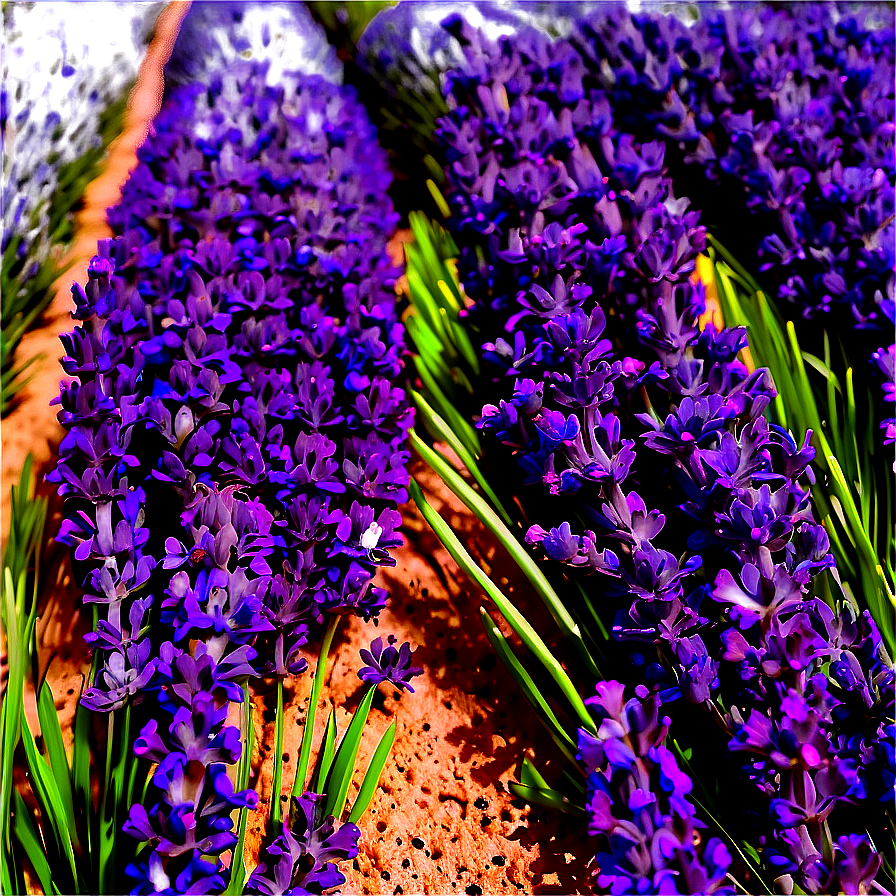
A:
x,y
372,775
238,861
346,22
18,608
342,770
298,787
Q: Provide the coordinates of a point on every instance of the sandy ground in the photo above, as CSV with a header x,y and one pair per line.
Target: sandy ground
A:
x,y
444,821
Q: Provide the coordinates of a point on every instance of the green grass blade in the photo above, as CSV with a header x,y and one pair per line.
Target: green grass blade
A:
x,y
12,701
298,786
439,199
44,786
530,776
515,619
238,870
518,552
460,429
372,775
276,786
327,751
440,429
82,794
55,751
27,835
549,799
343,768
530,690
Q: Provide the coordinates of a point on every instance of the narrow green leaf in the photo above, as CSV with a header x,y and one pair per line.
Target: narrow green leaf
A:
x,y
515,619
458,430
439,199
276,786
343,767
82,794
44,787
12,701
530,690
238,868
372,775
298,786
518,552
550,799
327,751
27,835
55,750
530,776
440,429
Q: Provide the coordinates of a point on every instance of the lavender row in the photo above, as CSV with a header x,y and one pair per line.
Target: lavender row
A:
x,y
235,447
785,113
645,455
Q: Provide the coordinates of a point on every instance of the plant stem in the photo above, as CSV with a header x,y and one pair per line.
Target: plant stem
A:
x,y
276,812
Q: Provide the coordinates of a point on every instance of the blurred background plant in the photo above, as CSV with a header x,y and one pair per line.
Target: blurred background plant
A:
x,y
62,102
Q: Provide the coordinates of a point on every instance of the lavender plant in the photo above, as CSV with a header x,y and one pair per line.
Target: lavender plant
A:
x,y
61,103
579,261
214,35
234,451
787,113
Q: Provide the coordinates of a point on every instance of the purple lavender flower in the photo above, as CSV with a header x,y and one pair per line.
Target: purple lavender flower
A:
x,y
638,803
303,857
235,444
387,663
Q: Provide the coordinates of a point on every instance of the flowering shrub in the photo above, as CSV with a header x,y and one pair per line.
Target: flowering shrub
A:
x,y
788,112
235,446
573,244
61,100
214,35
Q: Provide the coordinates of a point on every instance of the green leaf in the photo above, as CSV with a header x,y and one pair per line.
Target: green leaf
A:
x,y
530,776
276,786
238,869
530,690
343,768
515,619
440,429
457,431
82,794
27,835
517,551
298,786
372,775
55,750
325,756
45,790
544,796
436,194
12,700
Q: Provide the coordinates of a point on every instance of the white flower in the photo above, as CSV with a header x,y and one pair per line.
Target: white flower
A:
x,y
370,539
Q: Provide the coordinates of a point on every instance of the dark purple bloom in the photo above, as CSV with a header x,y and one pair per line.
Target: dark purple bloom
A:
x,y
387,663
